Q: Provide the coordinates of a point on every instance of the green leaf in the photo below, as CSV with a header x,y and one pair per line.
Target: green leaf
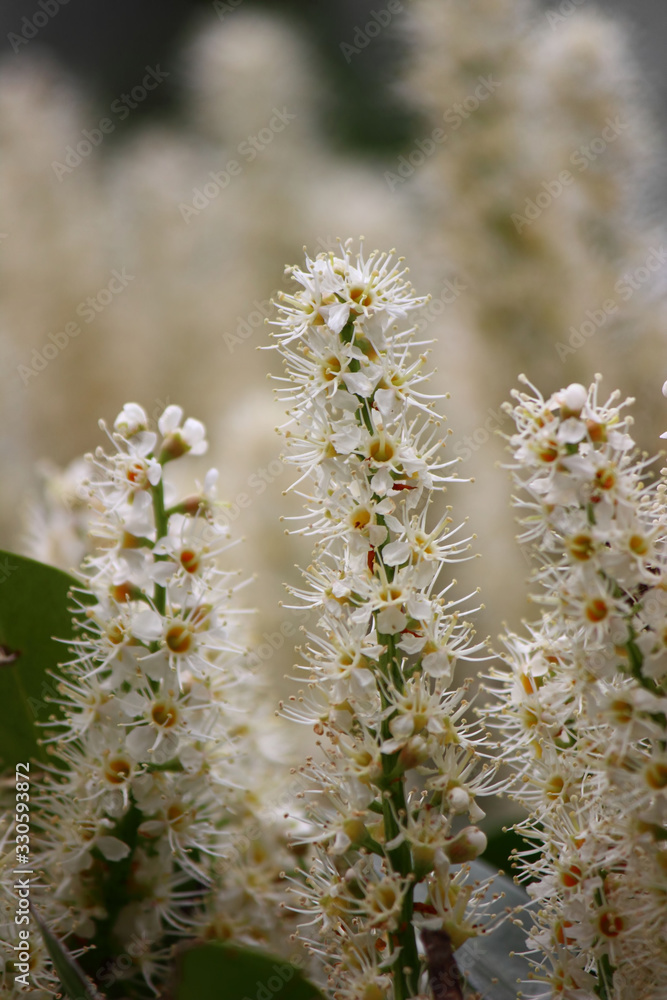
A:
x,y
499,849
494,964
217,971
77,986
33,609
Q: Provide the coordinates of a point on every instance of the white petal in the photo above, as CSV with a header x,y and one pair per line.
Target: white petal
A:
x,y
402,726
194,435
377,533
151,828
161,572
437,664
143,443
154,472
395,553
132,418
575,396
387,402
341,843
412,643
363,679
210,482
112,848
347,440
147,625
419,607
170,420
358,383
391,620
139,742
336,316
572,430
382,482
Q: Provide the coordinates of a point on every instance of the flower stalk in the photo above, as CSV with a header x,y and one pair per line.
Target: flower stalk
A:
x,y
401,768
583,710
138,809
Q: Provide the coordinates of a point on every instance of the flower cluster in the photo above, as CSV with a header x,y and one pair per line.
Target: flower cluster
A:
x,y
134,818
585,706
392,801
547,156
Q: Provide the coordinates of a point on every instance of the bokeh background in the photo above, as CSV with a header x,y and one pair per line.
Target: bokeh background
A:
x,y
164,261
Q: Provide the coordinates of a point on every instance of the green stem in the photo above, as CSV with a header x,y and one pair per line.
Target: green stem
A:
x,y
605,986
400,858
161,524
605,970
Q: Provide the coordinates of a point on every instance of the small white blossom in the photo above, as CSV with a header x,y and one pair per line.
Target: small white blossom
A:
x,y
368,442
583,708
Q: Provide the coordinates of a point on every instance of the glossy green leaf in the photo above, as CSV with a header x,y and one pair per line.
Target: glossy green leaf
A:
x,y
33,609
75,983
217,971
494,964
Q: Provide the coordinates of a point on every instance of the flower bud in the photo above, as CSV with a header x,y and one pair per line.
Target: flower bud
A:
x,y
466,845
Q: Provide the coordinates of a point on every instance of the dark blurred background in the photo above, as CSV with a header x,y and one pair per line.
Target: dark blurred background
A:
x,y
107,44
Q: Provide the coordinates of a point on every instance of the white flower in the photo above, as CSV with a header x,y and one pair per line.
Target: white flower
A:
x,y
583,704
191,437
131,419
151,775
369,460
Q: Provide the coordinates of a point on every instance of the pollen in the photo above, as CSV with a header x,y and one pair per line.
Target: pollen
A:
x,y
571,876
622,711
115,634
330,368
381,449
596,432
638,545
554,786
137,475
560,932
596,610
360,518
117,770
548,453
610,924
528,684
581,547
163,714
190,560
361,296
177,816
605,479
656,775
179,639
